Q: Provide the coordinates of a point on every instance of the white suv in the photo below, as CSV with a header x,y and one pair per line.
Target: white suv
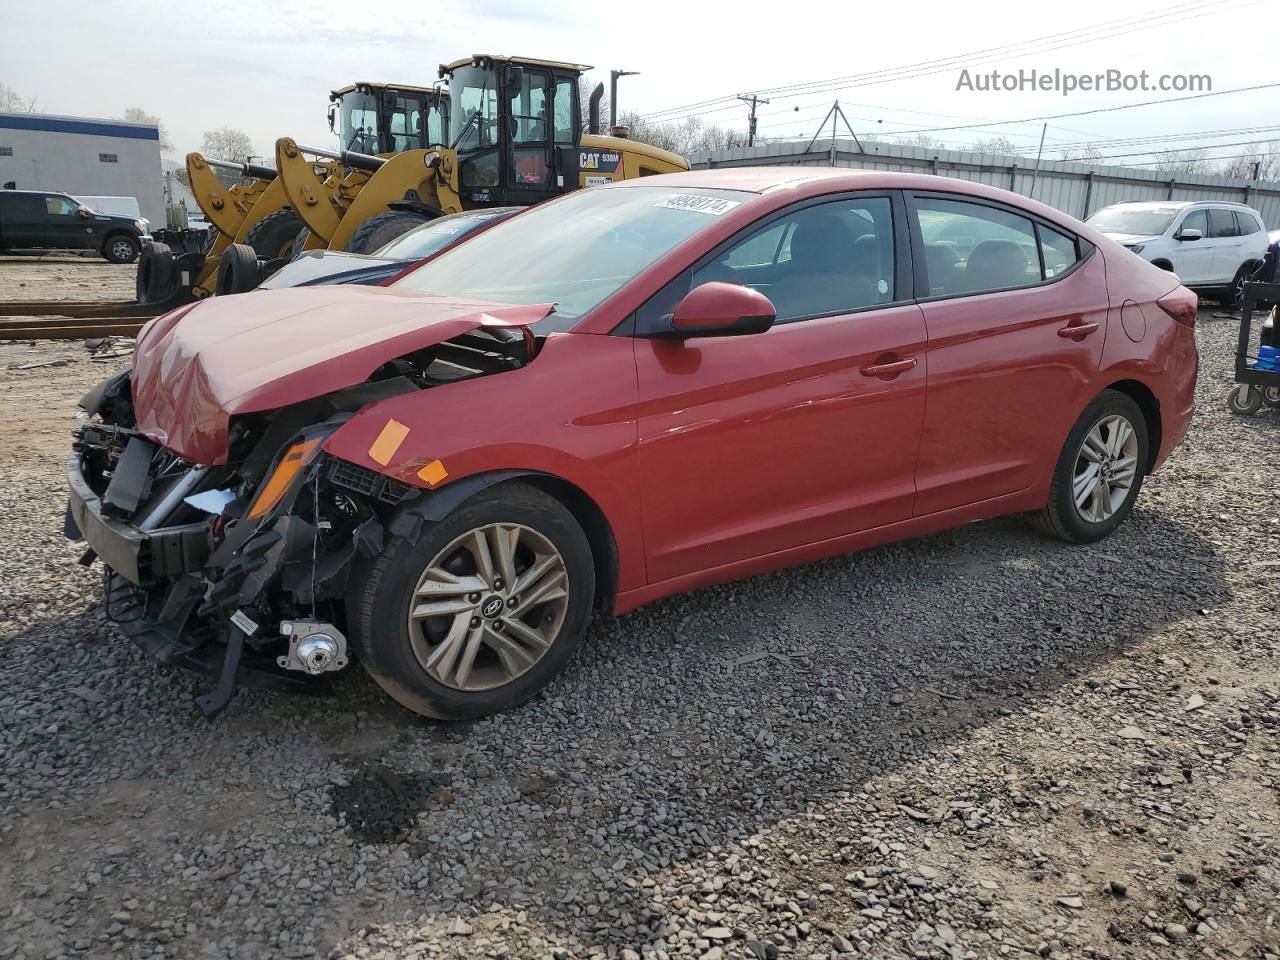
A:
x,y
1212,246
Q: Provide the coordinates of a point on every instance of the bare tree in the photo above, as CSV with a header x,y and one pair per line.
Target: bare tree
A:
x,y
1264,164
1184,161
138,115
226,143
921,140
13,102
1087,154
689,136
1001,145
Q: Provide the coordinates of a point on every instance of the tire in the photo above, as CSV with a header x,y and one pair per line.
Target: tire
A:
x,y
1233,296
1061,517
157,275
380,230
120,248
1244,399
1271,396
396,651
238,270
273,236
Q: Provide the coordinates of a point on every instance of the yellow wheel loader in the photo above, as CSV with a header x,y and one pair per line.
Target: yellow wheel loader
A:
x,y
371,120
272,214
514,138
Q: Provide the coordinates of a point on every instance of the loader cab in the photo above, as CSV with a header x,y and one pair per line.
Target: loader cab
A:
x,y
516,126
377,118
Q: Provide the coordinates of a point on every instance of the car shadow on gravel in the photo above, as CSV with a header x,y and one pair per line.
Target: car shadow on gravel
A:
x,y
685,726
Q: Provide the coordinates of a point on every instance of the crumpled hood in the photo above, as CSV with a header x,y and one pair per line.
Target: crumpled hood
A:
x,y
198,366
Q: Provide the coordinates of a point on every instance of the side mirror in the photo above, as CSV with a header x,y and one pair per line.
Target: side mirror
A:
x,y
1189,233
333,117
720,309
515,75
389,98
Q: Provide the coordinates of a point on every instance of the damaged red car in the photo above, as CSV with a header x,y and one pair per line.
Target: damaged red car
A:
x,y
624,393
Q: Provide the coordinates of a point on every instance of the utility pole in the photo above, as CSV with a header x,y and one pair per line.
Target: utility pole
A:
x,y
751,123
1039,153
613,93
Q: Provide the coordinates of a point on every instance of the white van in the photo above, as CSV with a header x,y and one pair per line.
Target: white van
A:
x,y
117,206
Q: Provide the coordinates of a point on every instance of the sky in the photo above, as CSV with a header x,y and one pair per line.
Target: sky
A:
x,y
268,68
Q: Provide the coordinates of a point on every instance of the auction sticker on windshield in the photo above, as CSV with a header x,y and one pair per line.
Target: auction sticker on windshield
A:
x,y
715,206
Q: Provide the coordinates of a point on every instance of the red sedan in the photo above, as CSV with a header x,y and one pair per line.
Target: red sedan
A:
x,y
625,393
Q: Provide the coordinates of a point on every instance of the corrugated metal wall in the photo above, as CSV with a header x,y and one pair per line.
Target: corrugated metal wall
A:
x,y
1075,188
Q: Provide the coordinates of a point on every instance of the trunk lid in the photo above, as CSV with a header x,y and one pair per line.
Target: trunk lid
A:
x,y
196,367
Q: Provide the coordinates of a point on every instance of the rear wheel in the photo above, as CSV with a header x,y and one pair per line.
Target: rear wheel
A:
x,y
1271,396
482,611
120,249
380,230
272,237
1099,472
1233,296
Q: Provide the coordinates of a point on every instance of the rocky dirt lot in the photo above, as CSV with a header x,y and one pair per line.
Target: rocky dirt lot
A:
x,y
979,744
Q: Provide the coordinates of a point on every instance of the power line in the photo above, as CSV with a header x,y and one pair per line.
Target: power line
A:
x,y
1096,32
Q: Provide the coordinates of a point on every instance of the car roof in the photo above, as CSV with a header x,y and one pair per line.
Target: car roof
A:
x,y
1179,204
804,182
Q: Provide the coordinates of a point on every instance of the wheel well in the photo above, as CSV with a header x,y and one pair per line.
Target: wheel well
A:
x,y
604,549
1150,406
108,237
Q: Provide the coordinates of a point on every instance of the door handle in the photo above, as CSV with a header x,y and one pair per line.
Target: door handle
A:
x,y
889,369
1077,331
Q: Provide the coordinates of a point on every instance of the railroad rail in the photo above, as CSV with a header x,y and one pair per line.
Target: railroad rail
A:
x,y
69,328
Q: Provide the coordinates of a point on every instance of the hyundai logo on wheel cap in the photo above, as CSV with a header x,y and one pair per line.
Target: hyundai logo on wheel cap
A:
x,y
492,607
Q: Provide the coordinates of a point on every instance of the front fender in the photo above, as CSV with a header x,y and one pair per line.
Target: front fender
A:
x,y
549,417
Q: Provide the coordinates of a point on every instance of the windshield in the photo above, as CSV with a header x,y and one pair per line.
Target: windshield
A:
x,y
574,252
473,94
433,237
358,126
1138,223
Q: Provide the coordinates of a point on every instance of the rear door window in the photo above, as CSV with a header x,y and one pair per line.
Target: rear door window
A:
x,y
974,248
1057,250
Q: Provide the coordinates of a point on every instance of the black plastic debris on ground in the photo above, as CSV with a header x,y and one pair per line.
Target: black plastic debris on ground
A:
x,y
377,804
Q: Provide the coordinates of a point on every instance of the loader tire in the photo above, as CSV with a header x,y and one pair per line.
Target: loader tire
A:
x,y
238,270
273,235
380,230
157,274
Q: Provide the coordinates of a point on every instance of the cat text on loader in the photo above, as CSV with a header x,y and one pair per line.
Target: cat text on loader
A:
x,y
514,139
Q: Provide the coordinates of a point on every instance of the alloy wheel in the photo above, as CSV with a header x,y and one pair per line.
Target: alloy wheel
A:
x,y
488,606
1106,468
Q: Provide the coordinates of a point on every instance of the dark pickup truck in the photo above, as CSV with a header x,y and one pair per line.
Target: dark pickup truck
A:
x,y
35,220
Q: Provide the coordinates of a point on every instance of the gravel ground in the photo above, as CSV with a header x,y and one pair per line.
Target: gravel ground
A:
x,y
978,744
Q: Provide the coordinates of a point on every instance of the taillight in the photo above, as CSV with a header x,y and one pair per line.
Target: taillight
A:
x,y
1182,305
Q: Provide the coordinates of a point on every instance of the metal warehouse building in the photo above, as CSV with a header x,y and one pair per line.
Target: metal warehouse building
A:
x,y
83,157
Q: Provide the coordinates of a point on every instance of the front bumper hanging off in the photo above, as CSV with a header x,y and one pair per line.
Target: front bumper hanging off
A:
x,y
174,594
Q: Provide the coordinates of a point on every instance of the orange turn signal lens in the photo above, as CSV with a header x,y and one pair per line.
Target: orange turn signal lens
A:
x,y
294,459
